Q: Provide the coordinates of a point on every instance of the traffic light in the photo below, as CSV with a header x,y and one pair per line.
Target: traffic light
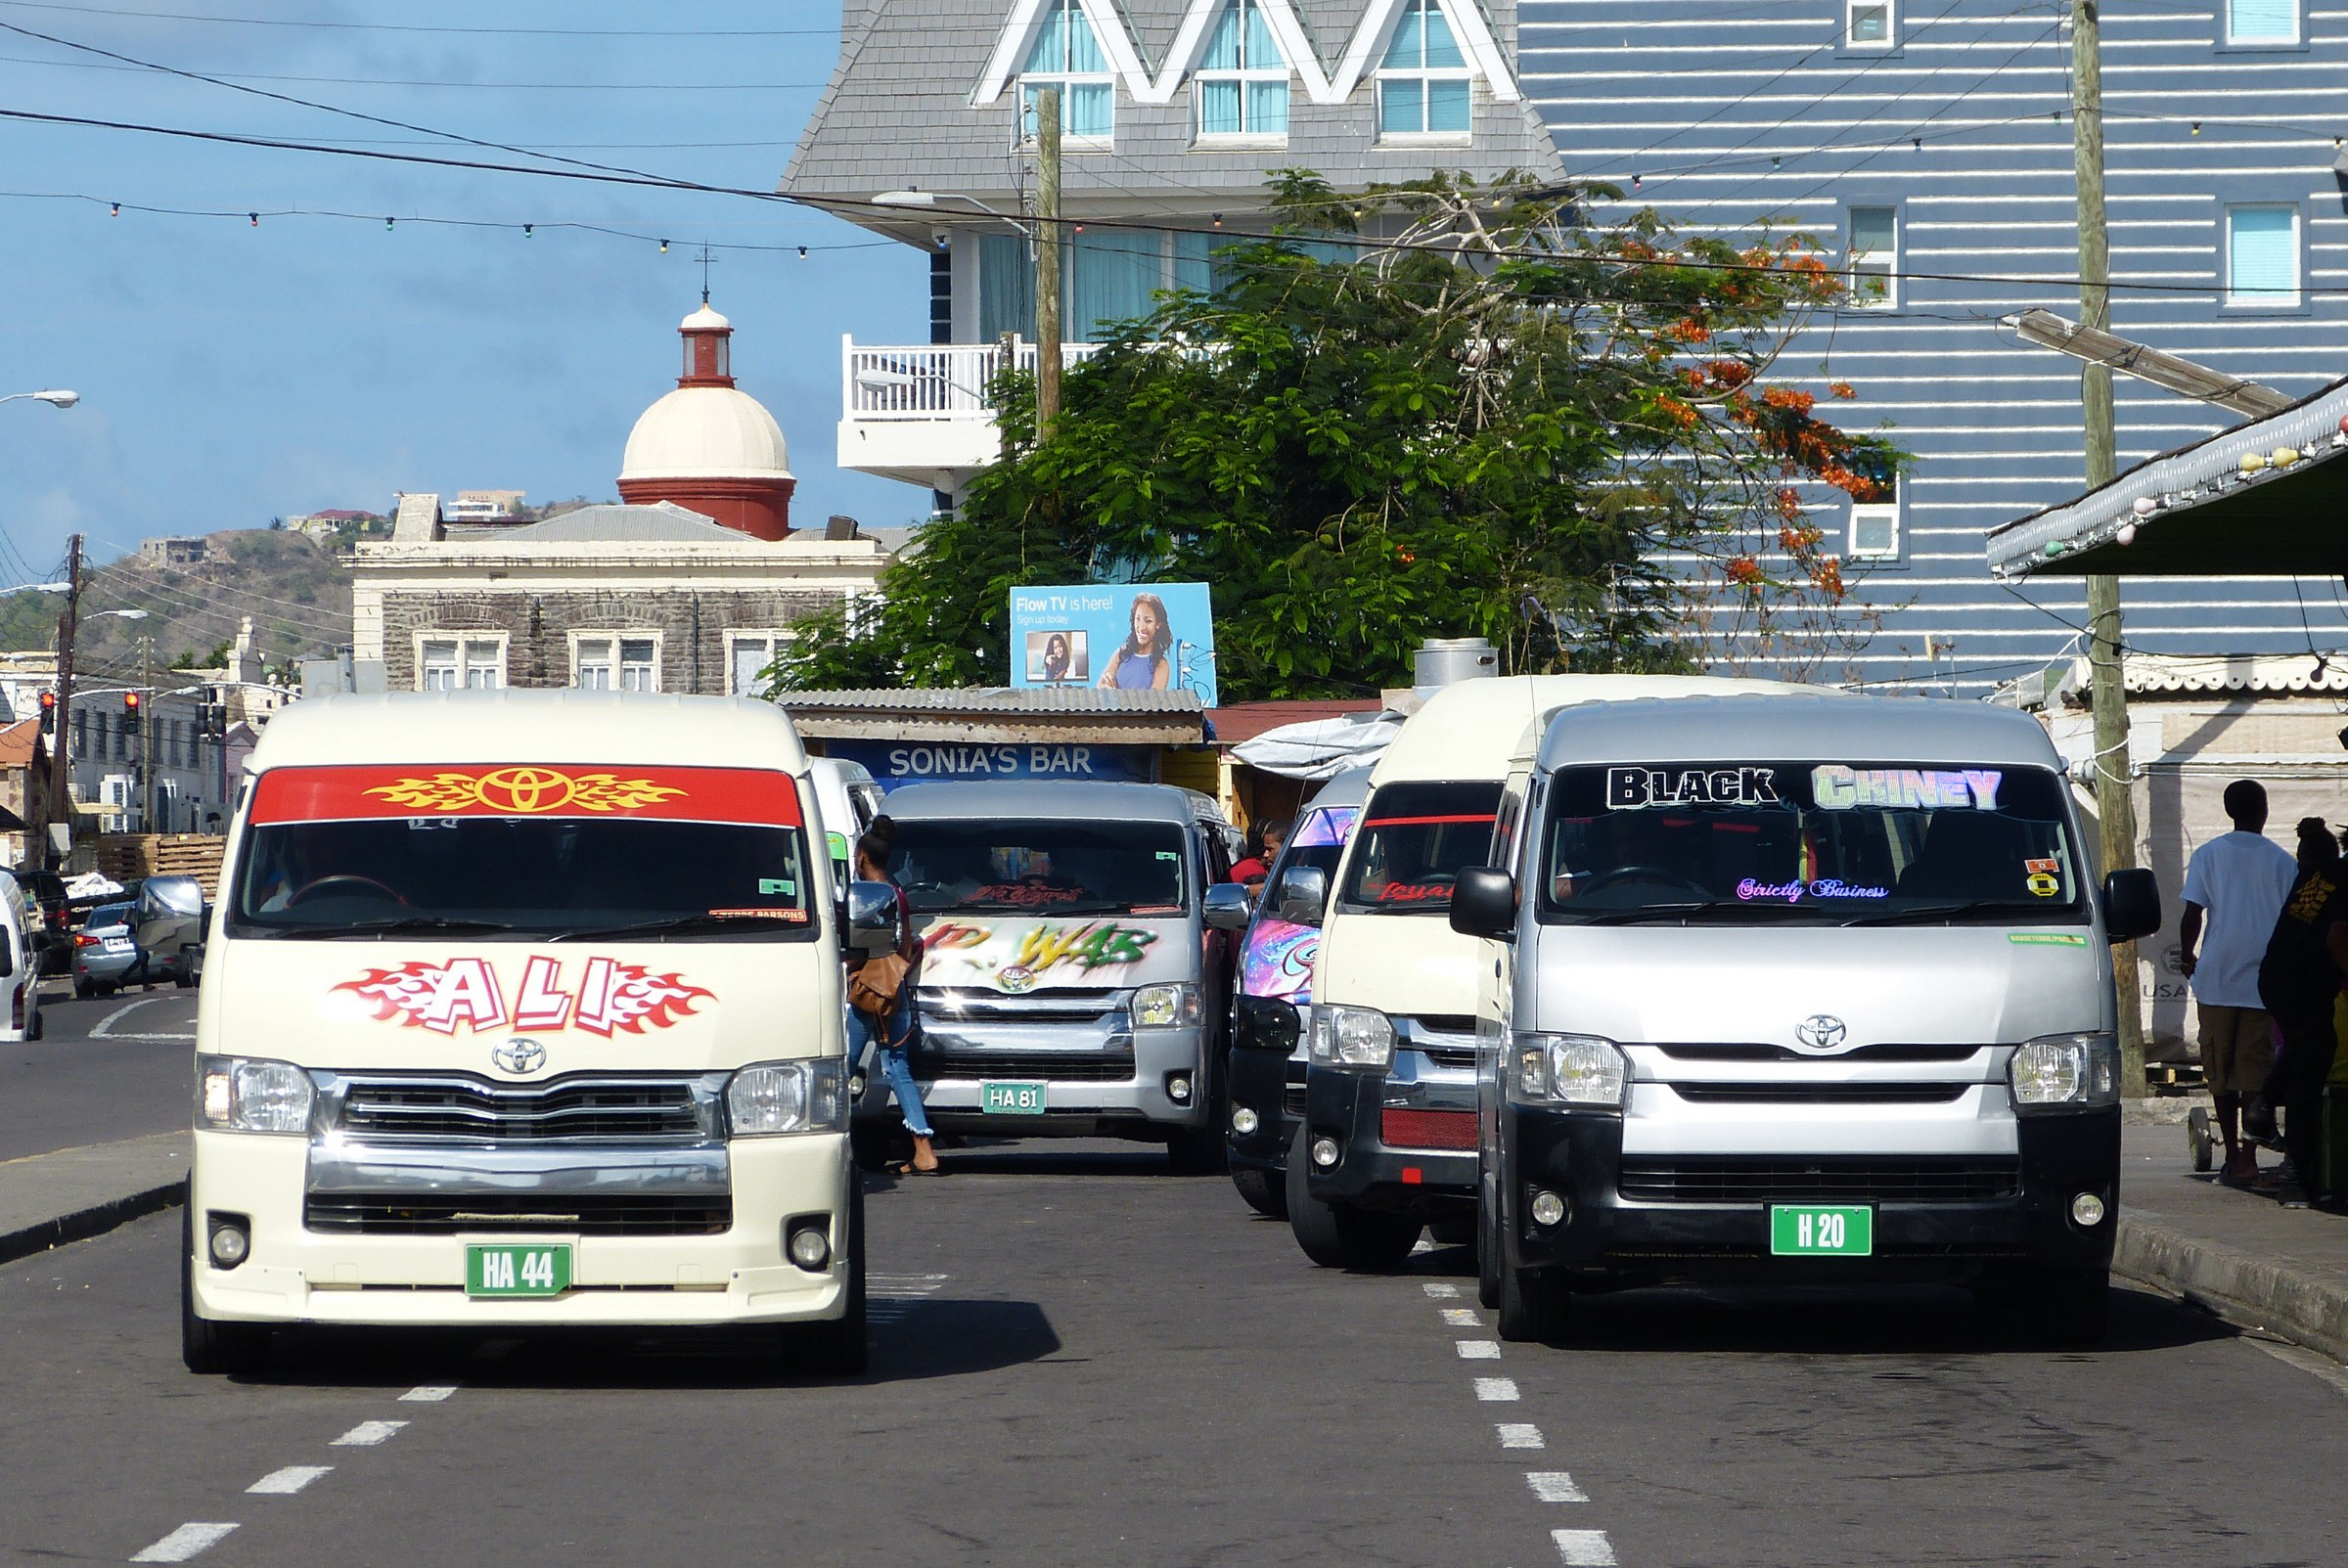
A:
x,y
48,713
131,703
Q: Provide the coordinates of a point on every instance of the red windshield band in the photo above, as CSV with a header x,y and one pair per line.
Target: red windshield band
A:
x,y
1423,822
376,793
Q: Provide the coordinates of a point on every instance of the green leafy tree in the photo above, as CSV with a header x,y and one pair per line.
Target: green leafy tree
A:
x,y
1496,419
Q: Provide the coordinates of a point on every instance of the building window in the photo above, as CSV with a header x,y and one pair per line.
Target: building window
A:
x,y
1876,525
1874,260
459,663
1242,85
1423,85
1868,25
2262,257
1068,55
747,654
614,663
2262,21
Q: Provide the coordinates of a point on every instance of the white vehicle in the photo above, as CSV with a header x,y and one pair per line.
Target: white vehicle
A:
x,y
1799,991
512,1018
1387,1144
19,964
846,800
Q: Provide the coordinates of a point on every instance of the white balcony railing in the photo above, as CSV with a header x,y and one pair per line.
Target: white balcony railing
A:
x,y
932,381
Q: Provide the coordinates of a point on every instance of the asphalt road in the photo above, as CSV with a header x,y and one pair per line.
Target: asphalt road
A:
x,y
1082,1360
111,1068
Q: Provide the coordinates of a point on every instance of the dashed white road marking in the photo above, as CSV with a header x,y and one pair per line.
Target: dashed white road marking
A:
x,y
890,1297
429,1394
1554,1486
1519,1435
184,1542
290,1480
1584,1548
106,1028
366,1435
1496,1390
1441,1291
1462,1317
1478,1349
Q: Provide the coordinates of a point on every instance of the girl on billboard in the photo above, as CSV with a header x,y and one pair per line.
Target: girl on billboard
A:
x,y
1056,658
1141,662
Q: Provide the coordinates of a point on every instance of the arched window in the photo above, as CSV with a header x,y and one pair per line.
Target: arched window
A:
x,y
1423,83
1068,55
1242,84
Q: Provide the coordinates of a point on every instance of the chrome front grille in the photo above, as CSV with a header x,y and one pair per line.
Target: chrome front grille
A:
x,y
571,1110
1688,1051
578,1213
1060,1004
1838,1094
1024,1064
1860,1178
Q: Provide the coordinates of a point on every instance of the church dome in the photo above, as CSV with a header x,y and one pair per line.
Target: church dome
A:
x,y
705,432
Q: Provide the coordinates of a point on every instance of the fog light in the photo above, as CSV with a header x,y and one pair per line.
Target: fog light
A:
x,y
1325,1152
1178,1089
1244,1121
2087,1209
231,1243
1547,1208
855,1086
810,1250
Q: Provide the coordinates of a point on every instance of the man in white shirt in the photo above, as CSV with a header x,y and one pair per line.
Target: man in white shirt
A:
x,y
2234,887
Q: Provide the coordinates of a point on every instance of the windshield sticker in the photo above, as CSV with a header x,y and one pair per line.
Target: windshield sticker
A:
x,y
769,886
1836,787
758,914
1795,892
609,998
1024,895
995,951
2045,939
1407,892
1635,788
1330,824
755,795
2040,877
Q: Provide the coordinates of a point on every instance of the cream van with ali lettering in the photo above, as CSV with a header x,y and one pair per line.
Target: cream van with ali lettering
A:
x,y
521,1008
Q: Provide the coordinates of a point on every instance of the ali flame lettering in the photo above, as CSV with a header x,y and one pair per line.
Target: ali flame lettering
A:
x,y
609,999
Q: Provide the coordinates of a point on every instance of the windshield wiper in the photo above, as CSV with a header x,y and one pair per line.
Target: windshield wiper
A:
x,y
401,925
1665,912
1925,913
673,924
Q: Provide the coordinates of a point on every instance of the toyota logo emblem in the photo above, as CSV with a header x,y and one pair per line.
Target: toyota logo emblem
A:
x,y
1820,1031
520,1056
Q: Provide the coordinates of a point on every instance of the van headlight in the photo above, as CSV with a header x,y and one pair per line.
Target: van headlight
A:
x,y
789,1096
1339,1036
2064,1072
1166,1007
240,1094
1577,1070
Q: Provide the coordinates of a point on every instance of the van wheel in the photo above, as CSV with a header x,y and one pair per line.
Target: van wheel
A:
x,y
40,1026
839,1348
1487,1257
209,1347
1198,1150
83,990
2073,1306
1531,1307
1337,1235
1263,1191
869,1144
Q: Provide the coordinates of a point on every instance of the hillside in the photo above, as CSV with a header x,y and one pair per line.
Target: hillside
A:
x,y
297,591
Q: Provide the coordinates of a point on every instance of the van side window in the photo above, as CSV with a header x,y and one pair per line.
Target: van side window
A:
x,y
1505,824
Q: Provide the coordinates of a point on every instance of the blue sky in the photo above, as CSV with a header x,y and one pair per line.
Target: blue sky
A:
x,y
231,372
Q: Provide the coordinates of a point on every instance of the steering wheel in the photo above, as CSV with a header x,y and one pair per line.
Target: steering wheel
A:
x,y
324,884
1645,874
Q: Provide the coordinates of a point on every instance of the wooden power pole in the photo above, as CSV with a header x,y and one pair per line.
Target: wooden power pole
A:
x,y
1047,258
60,744
2116,801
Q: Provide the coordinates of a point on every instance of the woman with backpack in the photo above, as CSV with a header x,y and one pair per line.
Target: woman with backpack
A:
x,y
880,990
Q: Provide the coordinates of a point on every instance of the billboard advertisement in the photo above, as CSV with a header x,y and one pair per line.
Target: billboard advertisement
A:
x,y
1133,637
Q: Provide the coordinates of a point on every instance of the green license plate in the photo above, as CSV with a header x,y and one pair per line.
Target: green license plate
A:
x,y
1822,1231
516,1271
1012,1099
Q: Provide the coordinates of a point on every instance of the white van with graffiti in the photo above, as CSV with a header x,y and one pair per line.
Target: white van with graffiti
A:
x,y
513,1018
1068,984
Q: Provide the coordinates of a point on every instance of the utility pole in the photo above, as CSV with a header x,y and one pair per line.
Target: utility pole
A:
x,y
147,735
60,755
2115,802
1047,258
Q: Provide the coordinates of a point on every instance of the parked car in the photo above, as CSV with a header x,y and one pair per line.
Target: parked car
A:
x,y
50,917
104,950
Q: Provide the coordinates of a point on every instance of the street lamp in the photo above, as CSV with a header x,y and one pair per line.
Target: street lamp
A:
x,y
56,399
927,201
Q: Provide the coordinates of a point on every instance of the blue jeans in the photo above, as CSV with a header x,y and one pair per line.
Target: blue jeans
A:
x,y
895,1070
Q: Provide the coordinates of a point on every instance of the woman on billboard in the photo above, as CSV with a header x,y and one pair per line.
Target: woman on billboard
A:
x,y
1140,665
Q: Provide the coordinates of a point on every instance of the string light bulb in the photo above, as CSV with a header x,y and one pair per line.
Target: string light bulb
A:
x,y
665,248
526,228
2197,128
803,253
257,219
1917,142
1218,220
387,224
117,211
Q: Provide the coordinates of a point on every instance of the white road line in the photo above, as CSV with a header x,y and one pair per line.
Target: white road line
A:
x,y
105,1025
149,1037
429,1394
1584,1548
290,1480
1478,1349
366,1435
184,1542
1500,1390
1554,1486
1441,1291
1462,1317
1519,1435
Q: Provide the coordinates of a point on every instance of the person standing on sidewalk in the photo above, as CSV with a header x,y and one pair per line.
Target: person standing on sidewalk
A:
x,y
2234,886
2299,980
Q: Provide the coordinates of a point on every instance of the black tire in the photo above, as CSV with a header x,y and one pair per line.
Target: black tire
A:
x,y
2073,1306
1337,1235
1487,1257
207,1347
40,1025
1531,1308
1264,1191
84,990
840,1348
183,980
2200,1139
1198,1150
869,1144
1452,1230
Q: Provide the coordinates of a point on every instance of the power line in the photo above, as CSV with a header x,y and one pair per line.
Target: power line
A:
x,y
234,76
393,27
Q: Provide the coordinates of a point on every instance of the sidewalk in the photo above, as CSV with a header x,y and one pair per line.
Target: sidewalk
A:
x,y
47,1200
2241,1255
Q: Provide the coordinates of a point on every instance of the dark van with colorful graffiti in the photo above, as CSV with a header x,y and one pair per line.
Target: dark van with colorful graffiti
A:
x,y
1069,985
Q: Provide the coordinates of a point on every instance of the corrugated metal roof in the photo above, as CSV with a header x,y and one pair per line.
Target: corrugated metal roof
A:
x,y
992,701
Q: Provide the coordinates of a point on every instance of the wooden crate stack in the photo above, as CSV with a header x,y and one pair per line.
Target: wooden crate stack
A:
x,y
131,856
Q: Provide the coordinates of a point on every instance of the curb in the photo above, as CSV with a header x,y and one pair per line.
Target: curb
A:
x,y
94,1220
2247,1291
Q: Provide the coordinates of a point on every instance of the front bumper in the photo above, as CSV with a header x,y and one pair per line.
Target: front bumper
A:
x,y
1267,1078
295,1274
1608,1239
1372,1172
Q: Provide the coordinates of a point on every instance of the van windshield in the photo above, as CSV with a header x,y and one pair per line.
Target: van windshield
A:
x,y
1413,840
1818,843
1051,866
572,854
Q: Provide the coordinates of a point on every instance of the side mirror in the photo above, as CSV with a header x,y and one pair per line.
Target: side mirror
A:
x,y
1228,906
871,917
1303,895
2131,905
1483,903
161,897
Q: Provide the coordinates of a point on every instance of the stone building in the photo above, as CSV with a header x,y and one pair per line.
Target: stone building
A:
x,y
689,585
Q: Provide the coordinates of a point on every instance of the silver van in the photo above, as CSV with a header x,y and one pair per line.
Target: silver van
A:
x,y
1069,984
1780,989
